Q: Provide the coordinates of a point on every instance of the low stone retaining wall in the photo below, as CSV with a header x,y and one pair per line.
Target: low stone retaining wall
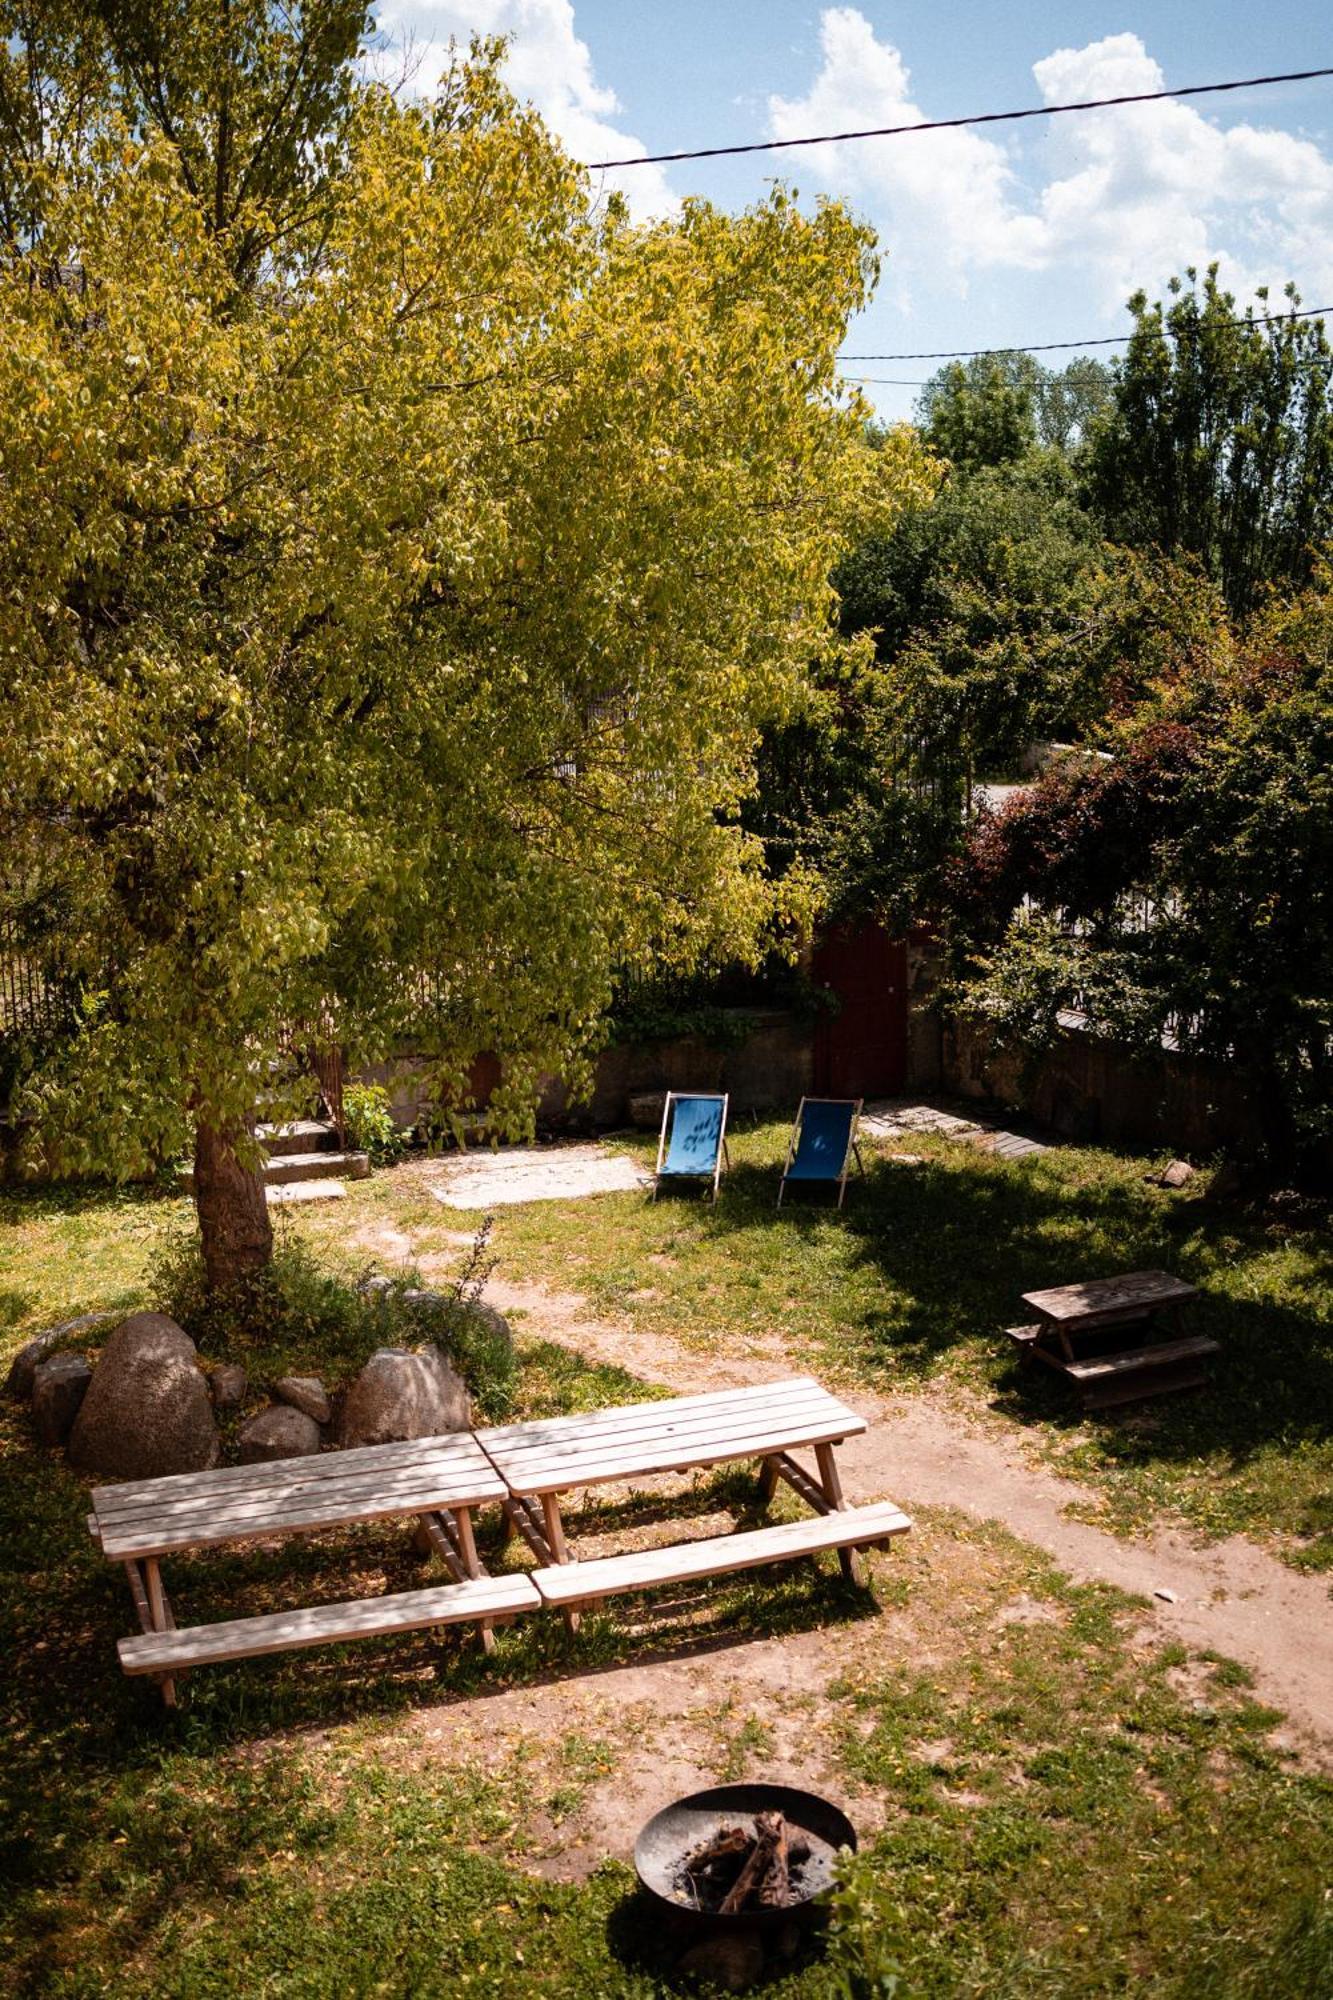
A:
x,y
769,1071
1089,1089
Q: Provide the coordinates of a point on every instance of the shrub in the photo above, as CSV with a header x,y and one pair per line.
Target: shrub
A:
x,y
294,1317
369,1123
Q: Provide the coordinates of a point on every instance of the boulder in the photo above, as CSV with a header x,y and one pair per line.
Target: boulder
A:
x,y
646,1108
278,1432
19,1380
58,1389
305,1393
490,1318
147,1411
1176,1175
404,1395
229,1384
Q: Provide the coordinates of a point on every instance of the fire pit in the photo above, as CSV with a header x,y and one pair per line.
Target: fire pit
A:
x,y
742,1856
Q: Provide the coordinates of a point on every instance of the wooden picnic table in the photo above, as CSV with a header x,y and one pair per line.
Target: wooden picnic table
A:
x,y
542,1459
436,1481
1073,1320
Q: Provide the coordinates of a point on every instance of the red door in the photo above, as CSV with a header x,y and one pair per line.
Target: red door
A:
x,y
861,1048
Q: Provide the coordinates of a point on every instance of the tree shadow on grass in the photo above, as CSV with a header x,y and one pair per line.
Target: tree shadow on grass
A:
x,y
957,1244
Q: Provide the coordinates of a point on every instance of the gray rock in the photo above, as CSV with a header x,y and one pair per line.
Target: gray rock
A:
x,y
420,1300
404,1395
147,1411
489,1317
305,1393
229,1384
1176,1175
278,1432
19,1380
646,1108
58,1389
374,1287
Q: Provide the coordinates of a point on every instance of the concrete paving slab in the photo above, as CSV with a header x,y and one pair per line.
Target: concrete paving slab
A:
x,y
536,1173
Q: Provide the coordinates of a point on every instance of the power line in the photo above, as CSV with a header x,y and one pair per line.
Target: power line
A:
x,y
1049,346
952,124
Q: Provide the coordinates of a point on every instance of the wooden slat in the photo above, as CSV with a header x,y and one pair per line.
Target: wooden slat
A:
x,y
575,1438
622,1415
276,1501
323,1510
1102,1299
667,1454
824,1413
572,1583
323,1624
458,1447
1163,1354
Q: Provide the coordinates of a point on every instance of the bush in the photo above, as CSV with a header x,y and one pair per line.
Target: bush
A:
x,y
295,1318
369,1123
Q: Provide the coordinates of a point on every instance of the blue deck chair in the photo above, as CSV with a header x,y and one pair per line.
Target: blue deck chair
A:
x,y
823,1143
698,1127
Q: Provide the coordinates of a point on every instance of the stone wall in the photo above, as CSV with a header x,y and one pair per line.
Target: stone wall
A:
x,y
1090,1089
769,1071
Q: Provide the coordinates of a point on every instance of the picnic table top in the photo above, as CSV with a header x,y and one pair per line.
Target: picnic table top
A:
x,y
669,1435
1108,1298
152,1517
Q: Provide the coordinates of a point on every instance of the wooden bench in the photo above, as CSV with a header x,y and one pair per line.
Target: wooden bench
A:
x,y
583,1582
1070,1316
436,1481
538,1461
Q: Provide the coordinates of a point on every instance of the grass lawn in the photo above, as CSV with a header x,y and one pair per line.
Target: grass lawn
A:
x,y
909,1287
1052,1802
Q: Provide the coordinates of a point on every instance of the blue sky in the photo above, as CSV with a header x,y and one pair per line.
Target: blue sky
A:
x,y
1012,235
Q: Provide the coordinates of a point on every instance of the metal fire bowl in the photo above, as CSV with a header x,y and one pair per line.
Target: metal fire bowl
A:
x,y
679,1829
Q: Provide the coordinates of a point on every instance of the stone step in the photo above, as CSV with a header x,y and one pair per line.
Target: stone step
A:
x,y
302,1135
284,1169
280,1169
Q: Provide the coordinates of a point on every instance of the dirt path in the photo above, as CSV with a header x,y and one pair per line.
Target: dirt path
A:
x,y
1232,1596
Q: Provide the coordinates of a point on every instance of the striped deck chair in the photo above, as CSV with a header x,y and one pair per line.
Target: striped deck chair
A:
x,y
698,1139
823,1143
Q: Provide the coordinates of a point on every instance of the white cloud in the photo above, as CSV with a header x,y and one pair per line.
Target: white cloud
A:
x,y
1124,197
947,198
547,64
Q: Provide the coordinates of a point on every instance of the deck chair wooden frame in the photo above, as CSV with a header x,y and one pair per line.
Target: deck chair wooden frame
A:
x,y
721,1097
853,1144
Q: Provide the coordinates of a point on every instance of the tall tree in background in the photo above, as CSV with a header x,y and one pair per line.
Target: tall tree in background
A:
x,y
388,647
1220,441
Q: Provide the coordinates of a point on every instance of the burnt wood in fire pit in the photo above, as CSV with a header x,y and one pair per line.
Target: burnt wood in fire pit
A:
x,y
742,1853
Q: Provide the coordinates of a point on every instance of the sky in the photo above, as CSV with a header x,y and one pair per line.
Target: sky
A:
x,y
1010,235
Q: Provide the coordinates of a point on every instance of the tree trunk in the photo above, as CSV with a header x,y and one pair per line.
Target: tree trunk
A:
x,y
234,1221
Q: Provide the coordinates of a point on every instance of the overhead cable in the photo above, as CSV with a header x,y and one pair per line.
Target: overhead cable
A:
x,y
1048,346
952,124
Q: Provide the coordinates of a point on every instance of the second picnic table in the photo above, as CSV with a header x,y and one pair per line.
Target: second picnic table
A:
x,y
1072,1319
538,1461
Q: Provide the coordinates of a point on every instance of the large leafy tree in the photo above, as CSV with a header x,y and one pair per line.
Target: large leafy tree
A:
x,y
1219,443
386,645
251,98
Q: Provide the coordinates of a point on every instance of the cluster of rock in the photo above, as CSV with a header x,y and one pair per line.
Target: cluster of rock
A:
x,y
149,1408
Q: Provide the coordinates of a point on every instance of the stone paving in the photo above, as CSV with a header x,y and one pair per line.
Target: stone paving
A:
x,y
536,1173
898,1118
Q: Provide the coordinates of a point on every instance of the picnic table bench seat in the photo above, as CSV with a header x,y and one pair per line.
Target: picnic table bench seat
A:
x,y
493,1598
562,1584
